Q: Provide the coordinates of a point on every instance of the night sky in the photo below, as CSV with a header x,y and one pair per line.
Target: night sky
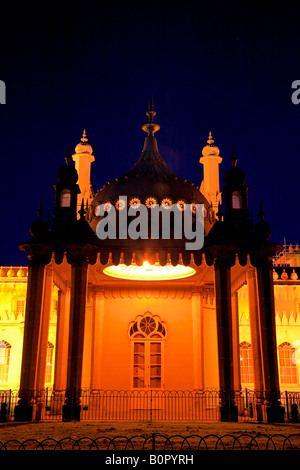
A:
x,y
210,66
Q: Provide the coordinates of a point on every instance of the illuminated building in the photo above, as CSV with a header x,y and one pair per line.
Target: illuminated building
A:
x,y
148,314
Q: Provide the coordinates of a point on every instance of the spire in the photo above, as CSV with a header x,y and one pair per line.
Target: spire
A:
x,y
151,127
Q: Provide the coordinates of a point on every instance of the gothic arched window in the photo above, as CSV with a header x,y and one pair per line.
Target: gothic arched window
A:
x,y
147,333
246,363
287,367
4,361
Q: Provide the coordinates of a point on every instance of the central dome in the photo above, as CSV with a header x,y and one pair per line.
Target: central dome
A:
x,y
150,182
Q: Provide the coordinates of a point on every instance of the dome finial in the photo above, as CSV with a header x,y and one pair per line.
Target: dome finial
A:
x,y
210,140
151,126
233,159
84,137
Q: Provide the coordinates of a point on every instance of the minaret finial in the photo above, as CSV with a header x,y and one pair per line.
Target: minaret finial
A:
x,y
151,126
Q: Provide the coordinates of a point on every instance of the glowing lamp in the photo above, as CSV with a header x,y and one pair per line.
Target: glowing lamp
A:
x,y
148,272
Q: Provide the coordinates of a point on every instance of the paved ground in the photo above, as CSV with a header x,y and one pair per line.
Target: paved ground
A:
x,y
110,429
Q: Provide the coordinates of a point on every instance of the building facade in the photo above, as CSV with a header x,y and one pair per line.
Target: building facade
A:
x,y
147,314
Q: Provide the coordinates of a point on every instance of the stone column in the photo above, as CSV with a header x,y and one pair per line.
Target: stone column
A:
x,y
197,319
72,407
97,339
225,339
43,341
267,327
236,341
255,341
31,339
62,340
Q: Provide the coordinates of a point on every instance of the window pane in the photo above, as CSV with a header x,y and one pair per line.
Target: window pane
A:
x,y
155,382
138,382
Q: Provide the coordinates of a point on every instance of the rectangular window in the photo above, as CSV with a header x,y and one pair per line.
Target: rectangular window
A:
x,y
147,364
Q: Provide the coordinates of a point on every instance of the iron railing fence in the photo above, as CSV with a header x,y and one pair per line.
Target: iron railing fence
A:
x,y
150,405
159,442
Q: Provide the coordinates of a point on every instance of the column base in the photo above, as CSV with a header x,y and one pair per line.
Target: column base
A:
x,y
275,414
229,413
23,412
71,412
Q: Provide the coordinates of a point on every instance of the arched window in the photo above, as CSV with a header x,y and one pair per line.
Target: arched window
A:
x,y
287,367
4,361
237,201
246,363
49,363
65,198
147,333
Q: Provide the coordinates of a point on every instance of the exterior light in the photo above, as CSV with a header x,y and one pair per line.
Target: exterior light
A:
x,y
148,272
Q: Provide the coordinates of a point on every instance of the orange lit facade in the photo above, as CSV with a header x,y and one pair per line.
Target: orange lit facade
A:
x,y
148,314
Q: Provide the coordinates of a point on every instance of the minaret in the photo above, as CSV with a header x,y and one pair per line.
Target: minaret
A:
x,y
210,186
83,158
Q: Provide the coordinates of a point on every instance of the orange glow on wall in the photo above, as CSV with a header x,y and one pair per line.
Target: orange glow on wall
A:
x,y
148,272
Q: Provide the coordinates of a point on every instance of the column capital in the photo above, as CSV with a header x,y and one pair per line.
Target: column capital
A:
x,y
37,254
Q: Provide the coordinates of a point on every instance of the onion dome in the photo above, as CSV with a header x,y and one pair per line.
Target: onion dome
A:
x,y
150,182
67,175
210,149
10,272
84,146
234,177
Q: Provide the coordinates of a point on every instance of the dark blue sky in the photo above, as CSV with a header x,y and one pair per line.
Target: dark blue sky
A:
x,y
219,66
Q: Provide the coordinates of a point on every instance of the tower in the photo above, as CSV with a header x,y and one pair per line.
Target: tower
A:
x,y
235,194
83,158
210,185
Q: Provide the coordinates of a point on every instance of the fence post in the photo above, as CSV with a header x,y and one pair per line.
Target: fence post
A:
x,y
153,441
287,405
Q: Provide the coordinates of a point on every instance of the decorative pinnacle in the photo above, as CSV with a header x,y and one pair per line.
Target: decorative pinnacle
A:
x,y
151,127
210,139
233,159
219,214
82,211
